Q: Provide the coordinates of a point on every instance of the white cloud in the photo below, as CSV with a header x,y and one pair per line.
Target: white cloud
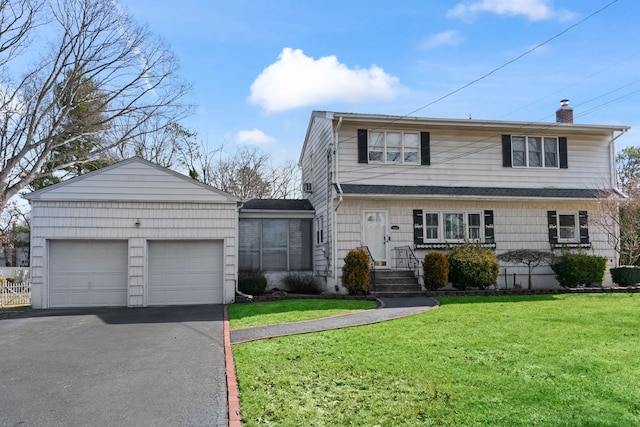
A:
x,y
296,80
255,136
535,10
446,38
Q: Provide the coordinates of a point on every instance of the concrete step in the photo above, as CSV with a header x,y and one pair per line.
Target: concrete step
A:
x,y
393,276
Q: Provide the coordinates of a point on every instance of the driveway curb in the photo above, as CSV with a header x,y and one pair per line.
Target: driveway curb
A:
x,y
235,419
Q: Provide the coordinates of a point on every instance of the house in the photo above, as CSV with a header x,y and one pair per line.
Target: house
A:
x,y
403,186
132,234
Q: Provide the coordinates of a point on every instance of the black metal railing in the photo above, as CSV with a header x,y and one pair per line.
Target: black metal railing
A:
x,y
405,259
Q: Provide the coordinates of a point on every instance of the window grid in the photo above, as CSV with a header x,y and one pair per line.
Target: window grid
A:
x,y
394,147
567,227
452,226
534,151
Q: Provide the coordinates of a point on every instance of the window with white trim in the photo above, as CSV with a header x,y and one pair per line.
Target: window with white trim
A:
x,y
534,151
568,227
394,147
453,226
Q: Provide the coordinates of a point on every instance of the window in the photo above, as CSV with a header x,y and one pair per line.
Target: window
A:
x,y
275,244
454,226
567,231
534,151
394,147
431,226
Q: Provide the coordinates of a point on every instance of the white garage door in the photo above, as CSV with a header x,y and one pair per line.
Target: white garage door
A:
x,y
185,272
88,273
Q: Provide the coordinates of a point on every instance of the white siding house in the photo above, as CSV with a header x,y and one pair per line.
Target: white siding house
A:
x,y
392,183
132,234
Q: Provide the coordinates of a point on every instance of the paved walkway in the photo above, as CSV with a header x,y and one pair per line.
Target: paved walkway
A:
x,y
390,308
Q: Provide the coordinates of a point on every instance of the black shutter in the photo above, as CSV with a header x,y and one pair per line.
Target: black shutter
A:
x,y
418,228
506,151
489,235
425,148
562,150
583,220
363,149
552,218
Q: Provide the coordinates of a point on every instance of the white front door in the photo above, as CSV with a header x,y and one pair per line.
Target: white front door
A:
x,y
375,236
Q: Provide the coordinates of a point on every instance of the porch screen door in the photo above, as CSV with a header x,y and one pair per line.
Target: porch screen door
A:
x,y
375,235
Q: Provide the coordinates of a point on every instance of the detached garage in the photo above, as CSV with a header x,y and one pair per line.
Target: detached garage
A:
x,y
132,234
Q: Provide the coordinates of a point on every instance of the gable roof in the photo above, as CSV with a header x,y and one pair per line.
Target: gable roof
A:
x,y
134,179
484,192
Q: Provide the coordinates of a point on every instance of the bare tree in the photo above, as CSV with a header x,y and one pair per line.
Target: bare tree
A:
x,y
242,174
619,219
284,181
529,257
88,40
165,147
14,221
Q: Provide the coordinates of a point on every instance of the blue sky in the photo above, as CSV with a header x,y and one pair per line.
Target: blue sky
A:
x,y
259,67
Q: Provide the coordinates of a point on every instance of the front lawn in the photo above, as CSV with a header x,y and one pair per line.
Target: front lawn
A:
x,y
268,313
564,360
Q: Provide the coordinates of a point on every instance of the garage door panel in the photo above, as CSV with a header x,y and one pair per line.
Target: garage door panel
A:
x,y
185,272
88,273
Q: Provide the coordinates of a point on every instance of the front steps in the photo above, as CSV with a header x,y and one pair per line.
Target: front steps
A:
x,y
394,284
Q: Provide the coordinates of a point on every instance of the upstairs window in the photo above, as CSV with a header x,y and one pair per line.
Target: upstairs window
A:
x,y
394,147
534,151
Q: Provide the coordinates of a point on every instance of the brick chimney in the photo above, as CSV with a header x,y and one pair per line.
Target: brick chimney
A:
x,y
564,114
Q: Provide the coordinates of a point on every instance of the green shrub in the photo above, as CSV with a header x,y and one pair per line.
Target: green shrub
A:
x,y
252,282
471,265
573,269
625,275
300,283
436,270
356,272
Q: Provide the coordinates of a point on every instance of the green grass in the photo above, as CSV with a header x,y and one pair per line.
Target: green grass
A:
x,y
567,360
268,313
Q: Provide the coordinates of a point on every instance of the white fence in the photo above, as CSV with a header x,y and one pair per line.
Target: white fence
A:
x,y
15,288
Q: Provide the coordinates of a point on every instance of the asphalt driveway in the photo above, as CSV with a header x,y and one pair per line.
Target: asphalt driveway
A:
x,y
160,366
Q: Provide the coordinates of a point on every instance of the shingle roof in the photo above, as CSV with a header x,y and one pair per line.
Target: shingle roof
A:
x,y
278,205
426,190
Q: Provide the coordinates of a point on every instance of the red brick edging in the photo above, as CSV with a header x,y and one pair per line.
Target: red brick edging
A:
x,y
233,400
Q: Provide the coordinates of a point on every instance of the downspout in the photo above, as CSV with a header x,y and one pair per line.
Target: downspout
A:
x,y
614,180
335,152
334,232
612,157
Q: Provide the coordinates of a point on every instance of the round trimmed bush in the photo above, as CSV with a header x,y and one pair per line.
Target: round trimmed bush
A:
x,y
436,270
573,269
471,265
